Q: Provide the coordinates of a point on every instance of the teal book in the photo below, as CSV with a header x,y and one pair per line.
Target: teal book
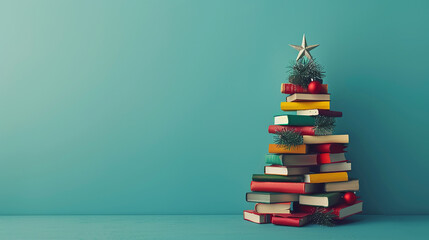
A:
x,y
276,178
321,199
294,120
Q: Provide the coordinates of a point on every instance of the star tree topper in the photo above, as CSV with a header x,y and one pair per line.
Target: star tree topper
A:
x,y
304,49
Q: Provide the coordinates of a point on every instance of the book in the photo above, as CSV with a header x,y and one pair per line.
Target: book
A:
x,y
297,221
341,211
294,120
285,171
326,177
276,178
315,112
328,148
291,159
267,197
255,217
285,187
326,139
271,208
288,106
299,149
349,186
289,88
302,97
304,130
320,199
323,158
332,167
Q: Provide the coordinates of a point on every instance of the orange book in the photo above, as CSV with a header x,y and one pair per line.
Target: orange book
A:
x,y
275,148
326,177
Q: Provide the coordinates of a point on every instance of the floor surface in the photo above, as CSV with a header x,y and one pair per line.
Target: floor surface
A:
x,y
204,227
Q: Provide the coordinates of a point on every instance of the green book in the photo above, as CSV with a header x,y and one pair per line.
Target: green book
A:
x,y
321,199
294,120
276,178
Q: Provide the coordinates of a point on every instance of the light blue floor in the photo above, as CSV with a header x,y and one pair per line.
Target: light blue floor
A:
x,y
205,227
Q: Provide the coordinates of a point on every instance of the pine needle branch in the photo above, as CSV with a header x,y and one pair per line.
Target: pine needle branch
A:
x,y
288,138
303,71
323,218
324,125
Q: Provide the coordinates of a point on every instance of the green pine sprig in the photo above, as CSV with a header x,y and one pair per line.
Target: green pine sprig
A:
x,y
324,125
288,138
303,71
323,218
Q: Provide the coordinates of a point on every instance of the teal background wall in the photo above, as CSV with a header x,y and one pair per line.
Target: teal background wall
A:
x,y
162,107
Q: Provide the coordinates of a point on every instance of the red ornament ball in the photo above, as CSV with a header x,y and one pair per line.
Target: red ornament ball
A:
x,y
349,198
314,87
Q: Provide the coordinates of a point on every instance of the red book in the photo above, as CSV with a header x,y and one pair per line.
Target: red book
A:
x,y
294,219
328,148
289,88
285,187
341,211
323,158
306,130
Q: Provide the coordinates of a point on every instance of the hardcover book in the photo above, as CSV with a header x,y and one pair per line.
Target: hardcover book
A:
x,y
271,208
267,197
315,112
294,120
332,167
328,148
349,186
276,178
291,160
326,139
285,187
323,158
304,130
286,171
252,216
326,177
291,221
288,106
302,97
321,199
289,88
341,211
275,148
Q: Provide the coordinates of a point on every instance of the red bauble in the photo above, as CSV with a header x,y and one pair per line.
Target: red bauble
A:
x,y
349,198
314,87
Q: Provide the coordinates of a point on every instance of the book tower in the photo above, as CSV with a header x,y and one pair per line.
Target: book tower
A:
x,y
306,177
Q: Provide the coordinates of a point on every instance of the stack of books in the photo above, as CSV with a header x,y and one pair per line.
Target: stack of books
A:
x,y
302,179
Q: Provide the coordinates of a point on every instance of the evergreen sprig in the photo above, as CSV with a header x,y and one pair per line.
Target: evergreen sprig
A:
x,y
323,218
303,71
288,138
324,125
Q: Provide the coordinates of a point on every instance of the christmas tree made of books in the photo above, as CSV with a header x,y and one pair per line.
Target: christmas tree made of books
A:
x,y
306,177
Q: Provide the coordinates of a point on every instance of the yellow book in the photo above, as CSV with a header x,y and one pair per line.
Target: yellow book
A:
x,y
275,148
326,177
325,139
290,106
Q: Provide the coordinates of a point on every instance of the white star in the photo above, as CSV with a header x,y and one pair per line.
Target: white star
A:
x,y
304,49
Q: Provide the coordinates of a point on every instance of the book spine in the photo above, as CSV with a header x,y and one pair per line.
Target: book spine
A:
x,y
283,187
325,158
289,88
294,222
287,106
330,113
328,148
328,177
305,130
